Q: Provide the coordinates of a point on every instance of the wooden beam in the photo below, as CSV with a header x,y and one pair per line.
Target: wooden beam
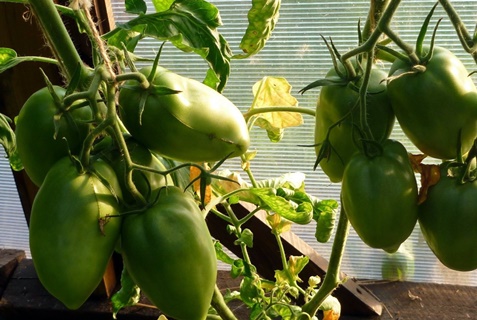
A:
x,y
354,299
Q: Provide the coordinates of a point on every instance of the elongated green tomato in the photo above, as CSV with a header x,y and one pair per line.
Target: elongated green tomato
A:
x,y
71,238
337,101
197,124
436,108
37,144
169,253
379,195
448,220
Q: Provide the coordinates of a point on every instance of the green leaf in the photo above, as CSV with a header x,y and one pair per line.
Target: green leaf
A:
x,y
221,254
246,237
162,5
8,141
262,18
299,213
250,290
135,6
128,295
324,213
9,59
191,26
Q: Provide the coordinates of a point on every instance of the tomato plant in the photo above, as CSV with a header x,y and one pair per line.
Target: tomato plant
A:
x,y
196,123
169,253
71,235
379,192
119,144
48,131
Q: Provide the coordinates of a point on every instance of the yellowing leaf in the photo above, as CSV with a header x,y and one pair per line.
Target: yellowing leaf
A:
x,y
275,92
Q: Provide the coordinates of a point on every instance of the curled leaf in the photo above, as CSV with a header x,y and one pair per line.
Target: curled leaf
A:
x,y
430,174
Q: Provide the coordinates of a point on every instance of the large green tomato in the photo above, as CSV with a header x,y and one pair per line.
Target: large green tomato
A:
x,y
379,195
169,253
197,124
71,238
448,220
334,103
37,145
436,108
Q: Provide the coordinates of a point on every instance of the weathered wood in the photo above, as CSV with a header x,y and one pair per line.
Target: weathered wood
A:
x,y
9,260
25,298
354,299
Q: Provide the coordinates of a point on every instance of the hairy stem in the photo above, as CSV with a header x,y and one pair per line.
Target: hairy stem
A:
x,y
58,38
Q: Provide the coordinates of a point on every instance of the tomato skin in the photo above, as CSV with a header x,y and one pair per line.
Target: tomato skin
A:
x,y
35,128
379,195
197,124
169,253
69,251
334,103
432,107
448,221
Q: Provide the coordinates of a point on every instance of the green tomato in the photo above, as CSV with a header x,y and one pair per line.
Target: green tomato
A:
x,y
197,124
436,108
379,195
334,103
37,145
71,238
170,255
448,220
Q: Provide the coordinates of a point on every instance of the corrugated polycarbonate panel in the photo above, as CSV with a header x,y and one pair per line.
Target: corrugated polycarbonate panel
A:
x,y
13,226
296,51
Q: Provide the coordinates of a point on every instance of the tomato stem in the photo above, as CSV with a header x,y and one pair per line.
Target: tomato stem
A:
x,y
58,38
332,278
220,306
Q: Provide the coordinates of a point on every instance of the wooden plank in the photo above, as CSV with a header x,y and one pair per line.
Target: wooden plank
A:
x,y
355,299
9,260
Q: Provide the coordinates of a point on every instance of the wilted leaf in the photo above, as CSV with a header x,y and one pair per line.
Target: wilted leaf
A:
x,y
275,92
278,224
199,185
430,174
262,18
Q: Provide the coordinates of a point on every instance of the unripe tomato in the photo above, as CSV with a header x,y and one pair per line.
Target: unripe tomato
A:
x,y
71,240
37,145
448,220
198,124
436,108
379,195
169,254
337,101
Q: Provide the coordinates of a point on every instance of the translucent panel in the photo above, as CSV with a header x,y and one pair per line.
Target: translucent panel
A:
x,y
13,226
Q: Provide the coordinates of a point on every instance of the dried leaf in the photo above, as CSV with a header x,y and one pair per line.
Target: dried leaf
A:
x,y
430,174
199,183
